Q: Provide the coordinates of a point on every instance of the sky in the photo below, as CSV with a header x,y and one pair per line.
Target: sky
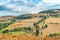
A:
x,y
18,7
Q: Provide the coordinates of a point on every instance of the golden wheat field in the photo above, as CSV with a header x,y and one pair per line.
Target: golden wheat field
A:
x,y
27,37
53,26
24,23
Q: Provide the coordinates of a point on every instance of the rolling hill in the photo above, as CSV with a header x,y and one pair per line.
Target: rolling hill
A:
x,y
51,11
45,23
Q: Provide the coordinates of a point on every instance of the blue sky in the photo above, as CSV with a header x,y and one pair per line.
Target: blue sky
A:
x,y
18,7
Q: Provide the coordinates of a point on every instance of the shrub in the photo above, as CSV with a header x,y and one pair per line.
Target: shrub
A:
x,y
24,17
45,26
34,24
4,25
5,31
55,34
27,29
37,32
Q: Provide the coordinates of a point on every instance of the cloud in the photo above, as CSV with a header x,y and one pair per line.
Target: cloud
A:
x,y
3,2
27,6
52,2
13,7
4,13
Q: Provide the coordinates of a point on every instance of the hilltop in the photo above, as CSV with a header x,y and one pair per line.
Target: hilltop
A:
x,y
51,11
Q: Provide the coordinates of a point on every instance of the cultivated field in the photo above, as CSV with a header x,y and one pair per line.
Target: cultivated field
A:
x,y
6,17
27,37
24,23
40,21
53,26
